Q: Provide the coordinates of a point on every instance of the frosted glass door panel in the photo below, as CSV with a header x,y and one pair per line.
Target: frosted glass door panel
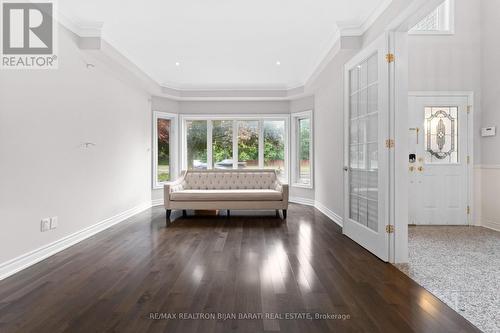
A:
x,y
363,143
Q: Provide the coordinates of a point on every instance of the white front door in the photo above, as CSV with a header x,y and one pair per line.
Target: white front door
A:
x,y
438,161
366,157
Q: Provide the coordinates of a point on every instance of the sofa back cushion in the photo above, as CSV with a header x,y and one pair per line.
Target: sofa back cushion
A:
x,y
230,180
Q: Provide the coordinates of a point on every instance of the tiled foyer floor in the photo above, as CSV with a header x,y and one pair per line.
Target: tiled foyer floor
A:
x,y
461,266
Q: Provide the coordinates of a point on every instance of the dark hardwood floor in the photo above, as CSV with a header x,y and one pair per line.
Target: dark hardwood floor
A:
x,y
124,277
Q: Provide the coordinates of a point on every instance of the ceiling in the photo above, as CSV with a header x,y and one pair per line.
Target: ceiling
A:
x,y
223,44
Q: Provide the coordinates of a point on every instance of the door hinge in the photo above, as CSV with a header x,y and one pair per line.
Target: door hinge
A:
x,y
468,159
389,57
468,210
469,108
389,229
389,143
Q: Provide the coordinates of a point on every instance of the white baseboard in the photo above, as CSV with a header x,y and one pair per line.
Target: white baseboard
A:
x,y
330,213
302,201
491,225
157,202
24,261
319,206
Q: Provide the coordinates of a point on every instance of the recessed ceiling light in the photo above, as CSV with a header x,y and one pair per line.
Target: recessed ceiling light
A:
x,y
278,63
177,64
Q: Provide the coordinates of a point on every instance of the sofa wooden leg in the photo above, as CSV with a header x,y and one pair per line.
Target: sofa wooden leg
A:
x,y
277,213
184,213
284,214
169,211
228,213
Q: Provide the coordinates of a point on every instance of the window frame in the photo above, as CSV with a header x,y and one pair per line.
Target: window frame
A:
x,y
295,118
235,118
444,32
173,117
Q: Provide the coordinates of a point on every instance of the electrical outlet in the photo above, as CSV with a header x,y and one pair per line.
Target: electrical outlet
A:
x,y
45,224
53,222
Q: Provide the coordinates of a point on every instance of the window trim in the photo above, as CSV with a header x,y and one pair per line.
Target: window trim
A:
x,y
295,117
443,32
235,118
173,117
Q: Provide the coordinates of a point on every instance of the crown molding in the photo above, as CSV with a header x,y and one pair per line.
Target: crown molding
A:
x,y
81,28
357,27
343,38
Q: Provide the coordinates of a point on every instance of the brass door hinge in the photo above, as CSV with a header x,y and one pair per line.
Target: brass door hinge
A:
x,y
389,57
389,229
469,108
468,210
389,143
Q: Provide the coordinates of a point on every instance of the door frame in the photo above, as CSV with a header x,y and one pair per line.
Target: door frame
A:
x,y
398,28
470,139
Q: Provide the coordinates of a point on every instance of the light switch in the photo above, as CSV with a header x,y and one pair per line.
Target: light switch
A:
x,y
488,131
45,224
53,222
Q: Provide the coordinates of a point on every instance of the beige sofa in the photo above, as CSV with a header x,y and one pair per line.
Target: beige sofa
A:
x,y
226,189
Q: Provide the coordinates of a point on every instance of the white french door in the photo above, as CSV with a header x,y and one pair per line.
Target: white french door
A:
x,y
366,182
439,160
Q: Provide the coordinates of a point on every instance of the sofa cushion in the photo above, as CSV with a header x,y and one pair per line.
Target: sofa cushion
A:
x,y
226,195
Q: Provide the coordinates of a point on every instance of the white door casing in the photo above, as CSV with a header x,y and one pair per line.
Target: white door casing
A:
x,y
366,177
439,181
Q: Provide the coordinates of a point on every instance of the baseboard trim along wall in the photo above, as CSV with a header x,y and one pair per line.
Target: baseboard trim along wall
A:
x,y
156,202
319,206
488,180
28,259
491,225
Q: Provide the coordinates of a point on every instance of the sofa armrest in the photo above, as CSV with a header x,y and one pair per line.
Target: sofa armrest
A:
x,y
284,191
172,186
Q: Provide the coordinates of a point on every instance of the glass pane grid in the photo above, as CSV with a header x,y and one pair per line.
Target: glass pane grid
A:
x,y
363,143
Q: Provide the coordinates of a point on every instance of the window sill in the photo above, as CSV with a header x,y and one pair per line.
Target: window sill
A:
x,y
431,33
299,185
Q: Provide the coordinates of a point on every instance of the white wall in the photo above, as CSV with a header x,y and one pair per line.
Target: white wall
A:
x,y
490,102
45,116
451,62
327,88
234,107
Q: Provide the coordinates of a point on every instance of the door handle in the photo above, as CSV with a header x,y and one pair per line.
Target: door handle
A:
x,y
412,168
346,169
420,168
